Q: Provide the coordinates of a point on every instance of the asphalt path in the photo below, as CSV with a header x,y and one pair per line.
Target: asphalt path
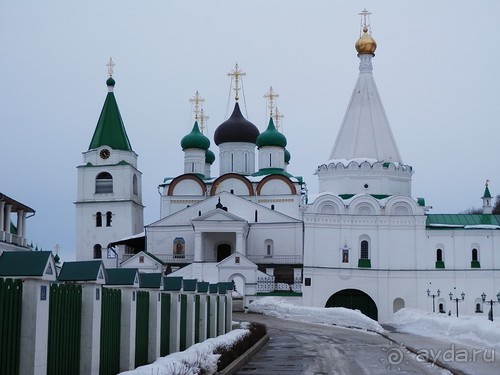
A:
x,y
304,348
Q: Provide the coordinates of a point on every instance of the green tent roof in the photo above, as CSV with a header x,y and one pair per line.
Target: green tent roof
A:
x,y
121,276
486,193
150,280
87,270
23,263
110,130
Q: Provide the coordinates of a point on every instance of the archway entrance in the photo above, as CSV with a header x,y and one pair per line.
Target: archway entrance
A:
x,y
356,300
223,251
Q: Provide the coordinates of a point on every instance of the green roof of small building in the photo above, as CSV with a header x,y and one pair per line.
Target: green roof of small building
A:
x,y
202,286
271,137
110,130
150,280
213,288
121,276
87,270
461,220
195,139
172,283
23,263
189,285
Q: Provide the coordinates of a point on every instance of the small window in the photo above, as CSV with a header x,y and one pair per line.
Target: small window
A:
x,y
135,189
98,219
269,247
345,255
307,281
364,250
439,255
103,183
97,251
109,215
474,255
237,260
441,308
141,259
272,207
478,308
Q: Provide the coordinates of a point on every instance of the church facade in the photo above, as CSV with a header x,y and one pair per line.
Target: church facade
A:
x,y
362,241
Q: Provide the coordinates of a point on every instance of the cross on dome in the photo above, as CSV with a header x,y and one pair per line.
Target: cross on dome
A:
x,y
271,96
236,74
110,66
196,100
277,118
203,118
365,21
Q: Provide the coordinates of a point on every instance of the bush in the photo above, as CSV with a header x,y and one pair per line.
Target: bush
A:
x,y
229,354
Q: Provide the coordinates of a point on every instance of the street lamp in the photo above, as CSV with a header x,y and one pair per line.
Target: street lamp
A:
x,y
433,297
491,302
456,299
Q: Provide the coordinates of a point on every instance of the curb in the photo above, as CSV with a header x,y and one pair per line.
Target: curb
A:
x,y
242,359
435,362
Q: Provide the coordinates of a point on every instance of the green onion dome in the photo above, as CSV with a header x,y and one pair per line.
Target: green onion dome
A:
x,y
271,137
209,157
287,156
195,139
236,129
110,81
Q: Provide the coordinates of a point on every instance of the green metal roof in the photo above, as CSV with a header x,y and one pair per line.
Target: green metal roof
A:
x,y
23,263
202,286
376,196
189,285
269,171
121,276
110,130
150,280
271,137
195,139
461,220
486,193
87,270
172,283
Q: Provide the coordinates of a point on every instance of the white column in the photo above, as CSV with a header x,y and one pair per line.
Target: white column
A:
x,y
198,246
20,228
240,244
6,222
2,207
24,228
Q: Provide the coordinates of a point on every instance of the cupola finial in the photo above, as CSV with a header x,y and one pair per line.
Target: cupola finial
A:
x,y
277,118
365,45
365,22
196,100
203,118
236,74
271,96
110,66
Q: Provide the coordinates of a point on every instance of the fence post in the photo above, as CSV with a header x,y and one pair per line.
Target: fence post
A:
x,y
214,310
189,288
91,329
127,328
229,307
154,325
202,289
222,301
34,327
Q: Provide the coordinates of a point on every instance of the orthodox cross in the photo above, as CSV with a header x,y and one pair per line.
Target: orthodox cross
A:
x,y
271,96
236,74
365,16
203,118
277,118
110,66
196,100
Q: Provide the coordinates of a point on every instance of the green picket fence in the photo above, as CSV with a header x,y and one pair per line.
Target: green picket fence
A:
x,y
197,319
165,325
10,325
183,324
142,328
65,315
110,331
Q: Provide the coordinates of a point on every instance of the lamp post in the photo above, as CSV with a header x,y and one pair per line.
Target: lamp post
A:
x,y
456,299
491,302
433,297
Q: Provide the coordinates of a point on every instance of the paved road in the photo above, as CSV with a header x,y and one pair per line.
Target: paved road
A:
x,y
303,348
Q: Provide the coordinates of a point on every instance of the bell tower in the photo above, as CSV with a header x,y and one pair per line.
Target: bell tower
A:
x,y
109,192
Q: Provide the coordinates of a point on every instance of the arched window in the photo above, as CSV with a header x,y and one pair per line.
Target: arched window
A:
x,y
109,215
269,245
97,251
98,219
439,255
103,183
364,253
441,308
479,308
474,255
135,189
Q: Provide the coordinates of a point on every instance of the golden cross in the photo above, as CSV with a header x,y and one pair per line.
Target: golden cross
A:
x,y
271,96
110,66
196,99
203,117
236,74
277,118
365,15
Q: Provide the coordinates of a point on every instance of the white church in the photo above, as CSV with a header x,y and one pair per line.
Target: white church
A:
x,y
362,241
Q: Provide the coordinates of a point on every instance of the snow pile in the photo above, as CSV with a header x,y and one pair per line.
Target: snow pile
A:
x,y
192,360
280,308
474,330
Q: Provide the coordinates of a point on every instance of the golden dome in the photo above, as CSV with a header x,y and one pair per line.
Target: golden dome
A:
x,y
366,44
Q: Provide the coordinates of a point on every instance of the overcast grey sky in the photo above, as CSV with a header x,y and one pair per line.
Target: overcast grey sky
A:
x,y
436,67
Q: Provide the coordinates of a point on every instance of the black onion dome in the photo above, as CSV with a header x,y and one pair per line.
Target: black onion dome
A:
x,y
236,129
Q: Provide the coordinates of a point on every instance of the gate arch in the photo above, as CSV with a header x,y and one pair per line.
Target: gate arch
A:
x,y
356,300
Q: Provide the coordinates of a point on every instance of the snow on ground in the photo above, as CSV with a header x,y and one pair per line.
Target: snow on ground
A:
x,y
280,308
191,360
474,330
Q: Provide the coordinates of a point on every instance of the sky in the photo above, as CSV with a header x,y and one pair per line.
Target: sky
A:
x,y
435,68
